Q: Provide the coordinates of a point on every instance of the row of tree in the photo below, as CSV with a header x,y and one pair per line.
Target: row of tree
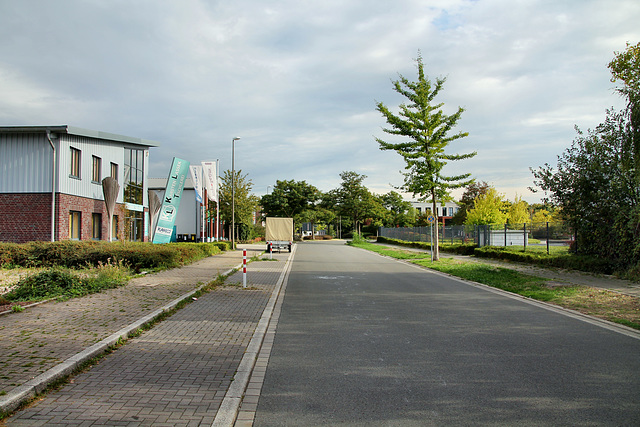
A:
x,y
354,207
351,205
595,185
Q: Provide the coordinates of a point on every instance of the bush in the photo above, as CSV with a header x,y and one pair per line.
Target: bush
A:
x,y
60,282
456,248
13,254
44,285
136,255
569,261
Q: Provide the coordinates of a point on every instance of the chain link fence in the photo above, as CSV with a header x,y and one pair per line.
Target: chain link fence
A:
x,y
545,233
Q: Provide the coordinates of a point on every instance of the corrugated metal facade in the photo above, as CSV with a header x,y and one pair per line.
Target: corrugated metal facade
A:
x,y
25,163
108,152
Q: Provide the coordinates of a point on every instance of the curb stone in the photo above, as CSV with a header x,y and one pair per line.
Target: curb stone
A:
x,y
22,394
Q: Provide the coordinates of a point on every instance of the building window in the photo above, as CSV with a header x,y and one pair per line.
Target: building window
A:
x,y
96,226
96,175
133,175
114,228
74,225
75,163
450,211
114,171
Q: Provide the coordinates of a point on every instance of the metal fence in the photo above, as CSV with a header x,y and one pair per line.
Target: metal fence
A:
x,y
546,233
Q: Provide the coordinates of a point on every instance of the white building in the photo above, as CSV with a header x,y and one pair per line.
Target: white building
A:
x,y
189,219
446,211
51,184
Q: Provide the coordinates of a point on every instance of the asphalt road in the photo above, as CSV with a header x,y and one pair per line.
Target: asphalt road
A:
x,y
365,340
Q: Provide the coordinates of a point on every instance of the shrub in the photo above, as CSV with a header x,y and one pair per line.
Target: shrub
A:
x,y
570,261
44,285
60,282
136,255
457,248
13,254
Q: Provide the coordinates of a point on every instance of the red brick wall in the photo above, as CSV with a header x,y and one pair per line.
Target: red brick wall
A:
x,y
86,207
26,217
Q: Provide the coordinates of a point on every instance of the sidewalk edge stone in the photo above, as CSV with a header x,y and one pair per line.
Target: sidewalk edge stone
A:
x,y
228,411
21,394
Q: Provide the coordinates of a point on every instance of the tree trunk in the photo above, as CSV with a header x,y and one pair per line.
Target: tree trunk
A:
x,y
436,250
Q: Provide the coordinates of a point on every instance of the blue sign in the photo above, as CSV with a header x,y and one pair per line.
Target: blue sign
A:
x,y
171,201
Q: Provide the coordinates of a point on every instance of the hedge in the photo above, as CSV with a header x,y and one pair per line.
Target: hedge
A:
x,y
456,248
135,255
569,261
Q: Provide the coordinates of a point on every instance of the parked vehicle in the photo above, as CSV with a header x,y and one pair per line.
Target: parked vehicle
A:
x,y
279,234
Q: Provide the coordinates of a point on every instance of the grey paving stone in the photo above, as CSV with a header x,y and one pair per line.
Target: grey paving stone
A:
x,y
175,374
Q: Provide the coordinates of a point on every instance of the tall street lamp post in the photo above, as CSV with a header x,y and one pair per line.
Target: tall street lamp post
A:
x,y
233,192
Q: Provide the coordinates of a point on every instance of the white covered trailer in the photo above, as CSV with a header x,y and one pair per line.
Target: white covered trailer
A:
x,y
279,233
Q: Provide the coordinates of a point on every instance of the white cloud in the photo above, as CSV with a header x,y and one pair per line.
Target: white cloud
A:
x,y
299,80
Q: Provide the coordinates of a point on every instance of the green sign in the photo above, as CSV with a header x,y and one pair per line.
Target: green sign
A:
x,y
171,201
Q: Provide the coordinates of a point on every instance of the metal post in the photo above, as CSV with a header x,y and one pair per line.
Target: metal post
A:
x,y
217,200
525,237
431,242
233,193
547,237
505,234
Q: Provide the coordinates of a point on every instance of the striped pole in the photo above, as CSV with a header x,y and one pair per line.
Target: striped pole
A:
x,y
244,268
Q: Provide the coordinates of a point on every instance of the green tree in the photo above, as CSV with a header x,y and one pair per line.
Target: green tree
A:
x,y
400,212
352,199
427,133
518,212
625,67
488,209
542,216
318,216
596,182
289,199
246,203
466,202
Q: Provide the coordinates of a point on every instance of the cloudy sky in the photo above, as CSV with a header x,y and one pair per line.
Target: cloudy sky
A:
x,y
298,80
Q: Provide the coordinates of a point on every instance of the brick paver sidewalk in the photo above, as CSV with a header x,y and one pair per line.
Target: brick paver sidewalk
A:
x,y
41,337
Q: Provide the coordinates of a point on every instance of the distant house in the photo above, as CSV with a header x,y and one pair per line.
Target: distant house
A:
x,y
51,184
444,212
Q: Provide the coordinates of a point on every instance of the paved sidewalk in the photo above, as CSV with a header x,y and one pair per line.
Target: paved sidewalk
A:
x,y
175,374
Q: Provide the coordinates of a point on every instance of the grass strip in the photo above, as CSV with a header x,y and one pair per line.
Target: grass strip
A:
x,y
601,303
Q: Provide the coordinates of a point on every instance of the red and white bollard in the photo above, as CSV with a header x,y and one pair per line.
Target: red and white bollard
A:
x,y
244,268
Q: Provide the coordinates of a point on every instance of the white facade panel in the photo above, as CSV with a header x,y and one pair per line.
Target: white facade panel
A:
x,y
25,163
108,152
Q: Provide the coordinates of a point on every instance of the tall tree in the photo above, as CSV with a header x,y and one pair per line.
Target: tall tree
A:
x,y
596,182
400,212
352,199
625,67
289,198
246,203
427,133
